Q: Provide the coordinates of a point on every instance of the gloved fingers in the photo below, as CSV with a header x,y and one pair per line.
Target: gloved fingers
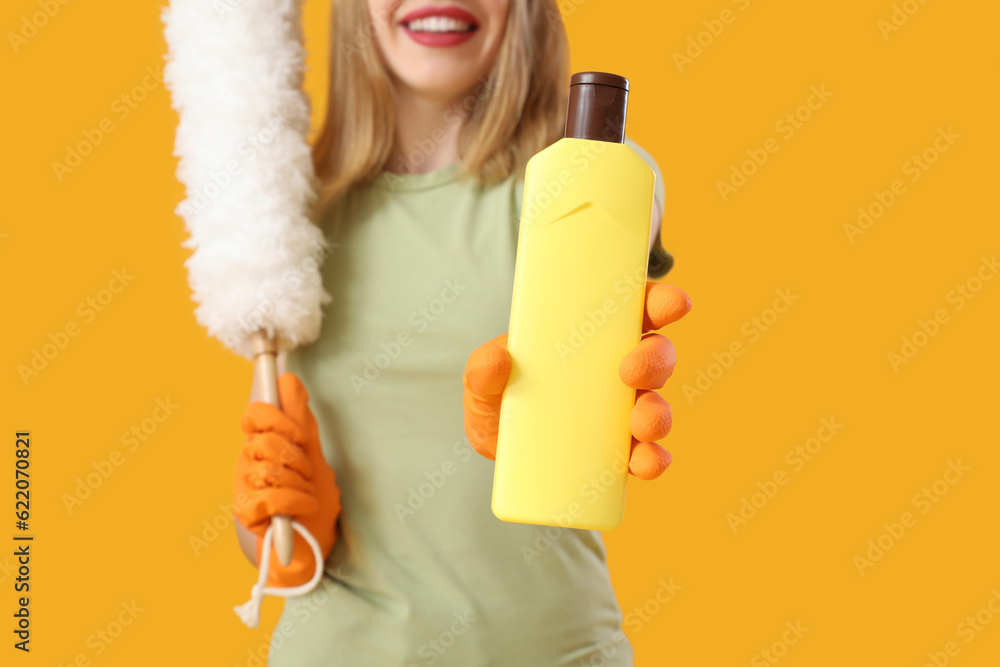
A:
x,y
294,399
294,420
664,304
651,416
274,447
270,474
261,417
482,422
263,504
648,364
648,460
488,368
318,513
486,373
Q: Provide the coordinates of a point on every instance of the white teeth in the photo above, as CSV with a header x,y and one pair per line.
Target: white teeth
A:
x,y
439,24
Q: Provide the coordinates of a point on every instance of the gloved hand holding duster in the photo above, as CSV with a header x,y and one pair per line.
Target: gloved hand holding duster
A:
x,y
282,471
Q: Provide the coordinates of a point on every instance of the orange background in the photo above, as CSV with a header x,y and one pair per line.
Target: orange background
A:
x,y
827,356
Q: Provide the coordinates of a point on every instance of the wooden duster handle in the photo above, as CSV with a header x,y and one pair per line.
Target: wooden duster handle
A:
x,y
265,352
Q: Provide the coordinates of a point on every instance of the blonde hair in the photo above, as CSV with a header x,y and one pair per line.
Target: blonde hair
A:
x,y
518,110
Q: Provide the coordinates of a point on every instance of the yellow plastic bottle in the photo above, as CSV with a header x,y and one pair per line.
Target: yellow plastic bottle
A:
x,y
576,311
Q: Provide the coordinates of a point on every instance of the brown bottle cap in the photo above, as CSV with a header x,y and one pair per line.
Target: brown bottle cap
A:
x,y
597,103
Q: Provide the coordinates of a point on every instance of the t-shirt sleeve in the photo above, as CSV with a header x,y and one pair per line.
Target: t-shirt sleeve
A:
x,y
659,189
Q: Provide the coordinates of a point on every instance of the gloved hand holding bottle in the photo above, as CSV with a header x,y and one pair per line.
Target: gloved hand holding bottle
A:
x,y
281,470
645,368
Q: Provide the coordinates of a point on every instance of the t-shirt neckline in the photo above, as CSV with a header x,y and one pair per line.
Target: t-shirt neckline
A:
x,y
421,181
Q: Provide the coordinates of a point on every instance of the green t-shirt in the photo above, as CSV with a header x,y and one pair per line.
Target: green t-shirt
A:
x,y
422,572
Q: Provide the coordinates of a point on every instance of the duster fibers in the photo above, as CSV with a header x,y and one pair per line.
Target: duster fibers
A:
x,y
234,70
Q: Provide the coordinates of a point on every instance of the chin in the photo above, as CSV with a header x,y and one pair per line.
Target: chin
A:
x,y
442,78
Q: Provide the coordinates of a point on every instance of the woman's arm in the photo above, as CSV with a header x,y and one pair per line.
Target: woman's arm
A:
x,y
246,539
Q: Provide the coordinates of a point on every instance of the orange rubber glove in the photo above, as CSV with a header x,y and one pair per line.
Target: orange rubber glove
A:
x,y
282,470
645,368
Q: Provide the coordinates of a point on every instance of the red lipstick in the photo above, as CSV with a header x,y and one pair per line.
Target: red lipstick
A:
x,y
440,39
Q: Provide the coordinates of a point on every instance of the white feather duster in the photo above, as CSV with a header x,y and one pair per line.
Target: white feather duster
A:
x,y
234,71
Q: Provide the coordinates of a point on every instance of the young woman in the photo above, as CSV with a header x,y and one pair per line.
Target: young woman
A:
x,y
434,108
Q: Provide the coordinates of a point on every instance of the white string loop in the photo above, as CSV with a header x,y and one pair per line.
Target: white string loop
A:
x,y
249,611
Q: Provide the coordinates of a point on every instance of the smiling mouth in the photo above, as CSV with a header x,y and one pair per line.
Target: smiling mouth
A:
x,y
440,25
